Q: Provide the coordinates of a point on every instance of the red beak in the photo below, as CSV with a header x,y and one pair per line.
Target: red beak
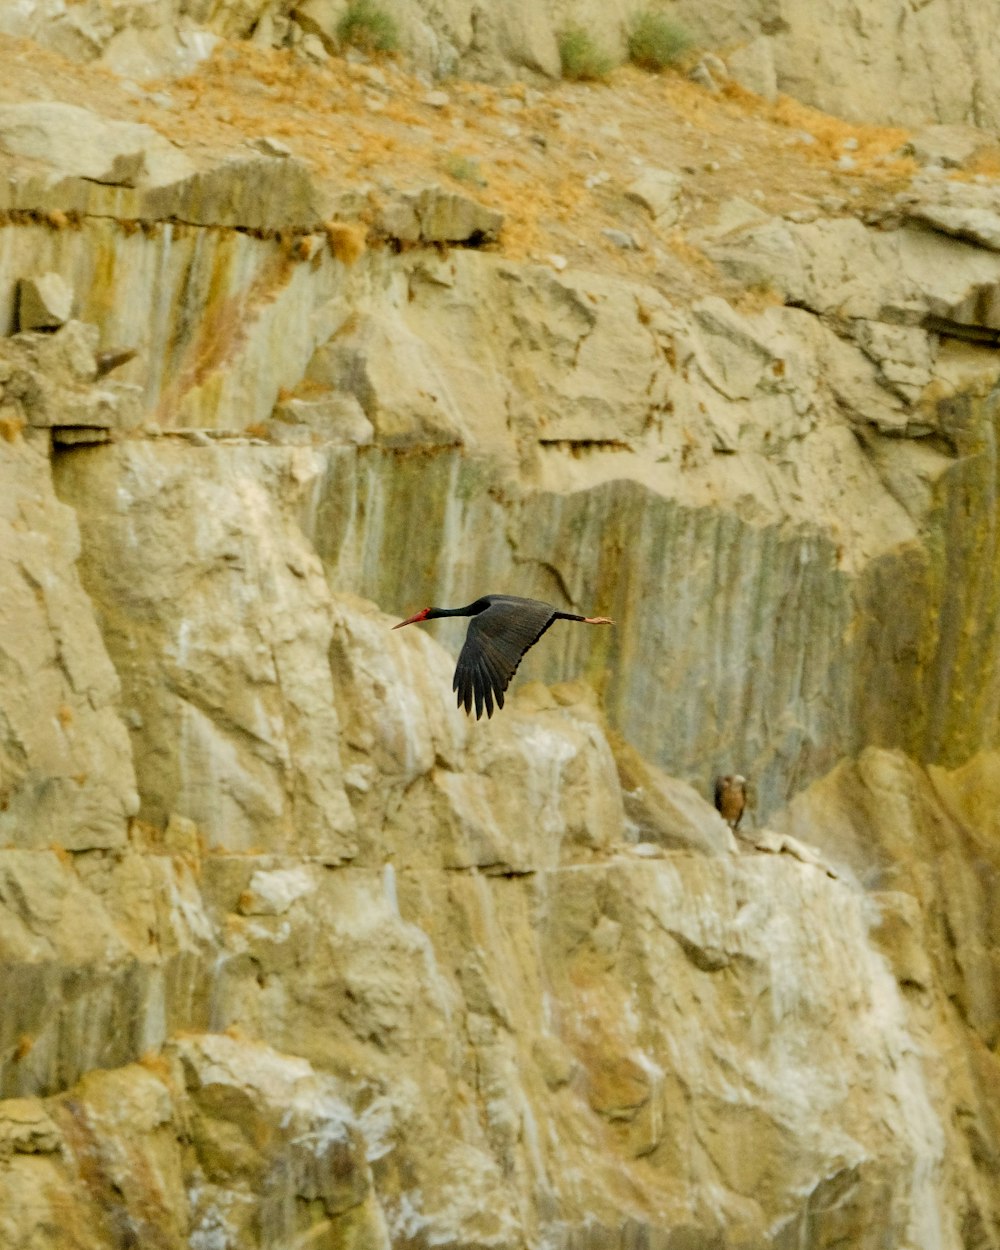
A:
x,y
412,620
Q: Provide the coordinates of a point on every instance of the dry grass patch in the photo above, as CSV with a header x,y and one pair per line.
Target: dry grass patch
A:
x,y
347,239
655,42
367,27
581,59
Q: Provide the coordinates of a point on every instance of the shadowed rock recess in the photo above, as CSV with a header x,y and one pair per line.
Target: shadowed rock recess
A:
x,y
294,955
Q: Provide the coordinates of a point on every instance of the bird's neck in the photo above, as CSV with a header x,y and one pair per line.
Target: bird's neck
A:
x,y
472,609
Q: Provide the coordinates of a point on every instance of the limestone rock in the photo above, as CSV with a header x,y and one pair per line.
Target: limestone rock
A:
x,y
303,1150
664,811
563,943
331,416
51,384
382,364
43,303
915,809
79,34
253,192
729,354
935,66
65,762
395,957
947,147
938,64
357,970
899,934
904,355
435,215
104,961
125,1120
25,1128
261,771
123,169
658,191
899,277
262,1121
272,893
79,142
965,210
160,48
752,66
863,391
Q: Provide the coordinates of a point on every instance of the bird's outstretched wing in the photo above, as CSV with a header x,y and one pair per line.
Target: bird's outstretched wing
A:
x,y
494,645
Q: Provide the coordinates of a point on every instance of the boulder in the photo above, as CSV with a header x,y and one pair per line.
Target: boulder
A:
x,y
435,215
79,142
658,191
44,303
964,210
752,65
945,146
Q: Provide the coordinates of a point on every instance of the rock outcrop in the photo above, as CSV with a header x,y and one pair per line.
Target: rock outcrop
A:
x,y
292,953
868,62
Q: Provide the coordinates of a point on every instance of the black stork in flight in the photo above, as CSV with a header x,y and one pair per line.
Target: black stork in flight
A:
x,y
502,629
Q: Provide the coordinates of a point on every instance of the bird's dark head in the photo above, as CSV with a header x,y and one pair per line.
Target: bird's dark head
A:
x,y
422,615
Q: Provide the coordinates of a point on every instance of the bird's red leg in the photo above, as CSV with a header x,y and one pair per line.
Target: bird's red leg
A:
x,y
598,620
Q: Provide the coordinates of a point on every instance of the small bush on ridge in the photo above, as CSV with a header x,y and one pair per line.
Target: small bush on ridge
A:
x,y
368,27
580,57
654,42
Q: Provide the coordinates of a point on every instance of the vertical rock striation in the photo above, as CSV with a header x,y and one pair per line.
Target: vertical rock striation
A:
x,y
292,953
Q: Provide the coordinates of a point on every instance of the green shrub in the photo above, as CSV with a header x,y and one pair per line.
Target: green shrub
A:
x,y
463,169
654,42
368,27
580,57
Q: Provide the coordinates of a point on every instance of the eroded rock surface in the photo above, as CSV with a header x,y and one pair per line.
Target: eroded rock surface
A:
x,y
294,954
865,62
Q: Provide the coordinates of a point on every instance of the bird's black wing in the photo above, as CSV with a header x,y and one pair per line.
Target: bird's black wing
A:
x,y
720,789
494,645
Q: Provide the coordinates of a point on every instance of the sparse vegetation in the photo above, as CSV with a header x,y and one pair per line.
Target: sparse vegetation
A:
x,y
347,239
463,169
368,27
655,42
581,59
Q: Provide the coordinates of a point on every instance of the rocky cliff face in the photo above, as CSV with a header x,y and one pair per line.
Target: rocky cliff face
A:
x,y
292,954
874,61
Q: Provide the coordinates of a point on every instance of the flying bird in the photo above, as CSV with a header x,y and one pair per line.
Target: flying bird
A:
x,y
502,629
731,798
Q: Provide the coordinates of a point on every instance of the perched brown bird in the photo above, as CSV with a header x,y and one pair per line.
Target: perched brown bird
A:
x,y
502,629
731,798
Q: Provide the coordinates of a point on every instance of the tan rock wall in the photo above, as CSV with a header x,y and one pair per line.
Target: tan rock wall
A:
x,y
65,763
231,723
621,1043
671,576
292,953
523,1057
872,61
574,1006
